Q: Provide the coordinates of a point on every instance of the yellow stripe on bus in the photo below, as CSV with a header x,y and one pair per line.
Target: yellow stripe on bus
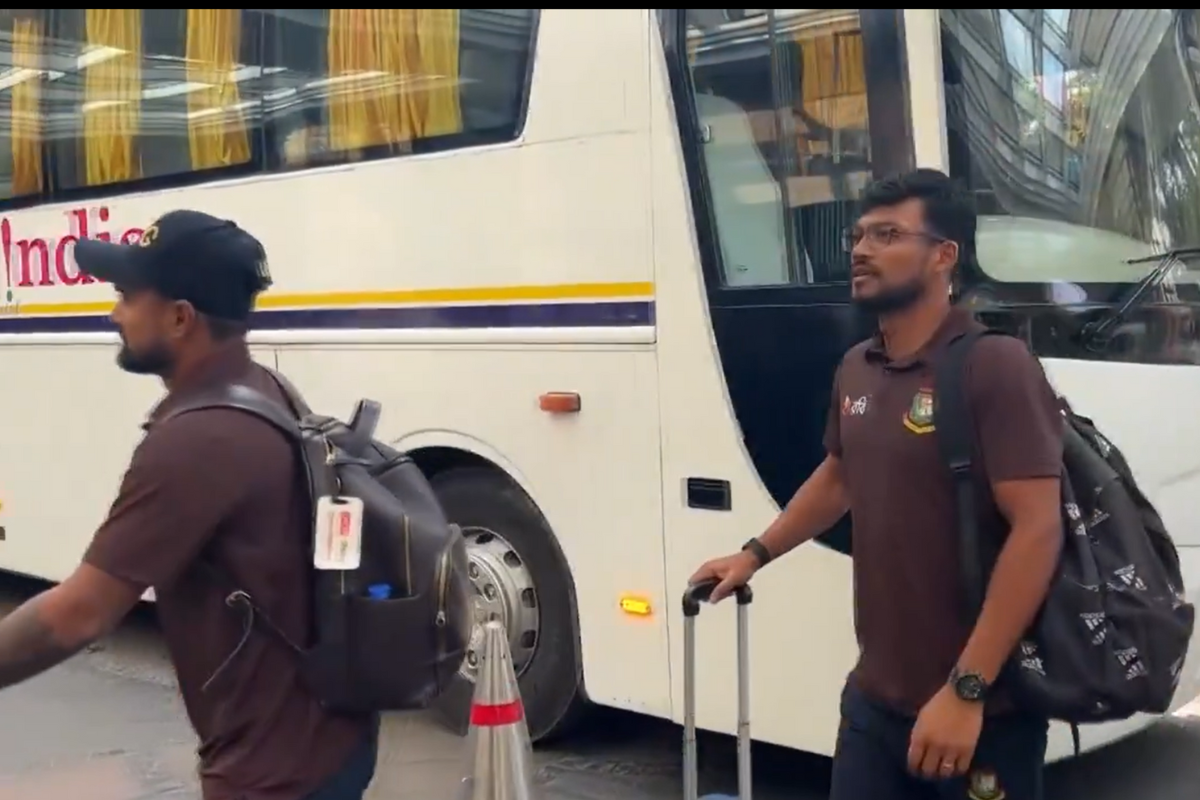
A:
x,y
475,294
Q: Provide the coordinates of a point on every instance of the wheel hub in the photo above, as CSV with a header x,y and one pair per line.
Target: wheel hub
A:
x,y
504,591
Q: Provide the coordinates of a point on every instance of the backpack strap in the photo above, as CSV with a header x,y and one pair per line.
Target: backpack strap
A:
x,y
250,401
361,426
241,398
295,400
954,428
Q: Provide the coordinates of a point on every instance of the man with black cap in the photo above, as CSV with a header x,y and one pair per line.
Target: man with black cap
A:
x,y
209,488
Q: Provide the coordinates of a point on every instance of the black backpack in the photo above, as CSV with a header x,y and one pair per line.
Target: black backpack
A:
x,y
368,652
1111,638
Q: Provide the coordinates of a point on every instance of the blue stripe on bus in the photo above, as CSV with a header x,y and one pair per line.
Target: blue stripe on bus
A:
x,y
610,314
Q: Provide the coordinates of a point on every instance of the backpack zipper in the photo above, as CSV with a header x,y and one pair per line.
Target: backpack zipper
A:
x,y
439,621
330,463
408,555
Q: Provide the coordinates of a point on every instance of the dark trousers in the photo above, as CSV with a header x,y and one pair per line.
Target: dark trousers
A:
x,y
870,761
352,780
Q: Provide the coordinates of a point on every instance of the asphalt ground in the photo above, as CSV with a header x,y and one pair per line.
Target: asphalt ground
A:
x,y
108,725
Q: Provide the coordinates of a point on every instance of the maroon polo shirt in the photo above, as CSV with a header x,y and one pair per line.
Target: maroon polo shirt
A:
x,y
908,592
223,484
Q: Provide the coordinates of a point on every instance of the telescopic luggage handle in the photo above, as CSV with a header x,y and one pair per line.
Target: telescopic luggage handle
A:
x,y
698,593
693,596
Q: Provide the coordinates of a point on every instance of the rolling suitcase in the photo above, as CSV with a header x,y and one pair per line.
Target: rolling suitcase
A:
x,y
692,600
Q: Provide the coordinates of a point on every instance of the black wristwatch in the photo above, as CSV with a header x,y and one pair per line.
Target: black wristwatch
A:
x,y
969,686
760,552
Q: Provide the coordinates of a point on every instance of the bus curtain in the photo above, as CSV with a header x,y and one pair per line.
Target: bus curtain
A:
x,y
217,135
394,75
26,137
834,86
112,95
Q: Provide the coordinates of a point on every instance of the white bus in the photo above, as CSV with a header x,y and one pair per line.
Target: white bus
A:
x,y
589,262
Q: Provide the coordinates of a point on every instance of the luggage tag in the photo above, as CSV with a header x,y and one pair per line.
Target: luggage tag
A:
x,y
338,544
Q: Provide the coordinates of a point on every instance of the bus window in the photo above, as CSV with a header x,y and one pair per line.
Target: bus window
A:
x,y
106,100
350,84
21,170
781,99
131,94
1079,132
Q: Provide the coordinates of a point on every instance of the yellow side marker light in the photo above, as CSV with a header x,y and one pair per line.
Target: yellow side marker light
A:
x,y
635,605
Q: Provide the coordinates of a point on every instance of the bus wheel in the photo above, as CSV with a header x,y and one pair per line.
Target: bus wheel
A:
x,y
520,577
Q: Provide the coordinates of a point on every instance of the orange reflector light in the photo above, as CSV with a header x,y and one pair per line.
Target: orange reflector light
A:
x,y
560,402
637,606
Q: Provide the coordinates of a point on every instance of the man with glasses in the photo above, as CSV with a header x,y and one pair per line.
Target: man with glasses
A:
x,y
921,716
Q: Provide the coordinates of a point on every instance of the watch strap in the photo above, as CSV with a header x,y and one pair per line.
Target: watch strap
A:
x,y
759,550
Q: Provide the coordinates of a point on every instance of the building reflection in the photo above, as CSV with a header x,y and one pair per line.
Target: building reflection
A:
x,y
1086,116
1078,131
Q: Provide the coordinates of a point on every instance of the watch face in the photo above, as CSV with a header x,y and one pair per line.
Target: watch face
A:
x,y
970,687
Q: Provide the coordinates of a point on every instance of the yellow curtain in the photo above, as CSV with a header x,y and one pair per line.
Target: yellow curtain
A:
x,y
437,35
112,94
394,75
217,135
26,118
834,88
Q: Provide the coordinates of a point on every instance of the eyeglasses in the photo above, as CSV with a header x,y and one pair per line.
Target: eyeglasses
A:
x,y
880,236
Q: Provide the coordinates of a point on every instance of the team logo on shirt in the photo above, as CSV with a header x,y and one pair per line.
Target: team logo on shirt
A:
x,y
919,417
984,786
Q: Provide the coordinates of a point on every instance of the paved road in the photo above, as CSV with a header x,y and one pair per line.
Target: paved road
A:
x,y
108,726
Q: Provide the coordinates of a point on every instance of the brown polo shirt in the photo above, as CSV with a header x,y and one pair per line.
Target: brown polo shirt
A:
x,y
908,592
224,484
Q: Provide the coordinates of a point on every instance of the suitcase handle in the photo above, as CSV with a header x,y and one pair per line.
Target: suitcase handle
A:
x,y
698,593
693,596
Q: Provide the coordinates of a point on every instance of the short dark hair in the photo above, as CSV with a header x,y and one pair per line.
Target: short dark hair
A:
x,y
949,209
222,330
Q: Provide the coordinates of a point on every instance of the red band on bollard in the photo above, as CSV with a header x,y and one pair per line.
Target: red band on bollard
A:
x,y
490,716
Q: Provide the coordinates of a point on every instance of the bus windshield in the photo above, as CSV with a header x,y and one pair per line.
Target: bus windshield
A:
x,y
1079,132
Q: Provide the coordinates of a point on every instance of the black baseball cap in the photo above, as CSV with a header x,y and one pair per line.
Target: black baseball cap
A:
x,y
185,255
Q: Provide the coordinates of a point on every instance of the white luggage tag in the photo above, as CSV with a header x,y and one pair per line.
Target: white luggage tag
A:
x,y
338,543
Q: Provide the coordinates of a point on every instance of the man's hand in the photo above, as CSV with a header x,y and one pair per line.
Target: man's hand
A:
x,y
944,737
50,628
732,571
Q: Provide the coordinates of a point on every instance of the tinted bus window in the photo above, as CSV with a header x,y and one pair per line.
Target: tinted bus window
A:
x,y
781,97
99,101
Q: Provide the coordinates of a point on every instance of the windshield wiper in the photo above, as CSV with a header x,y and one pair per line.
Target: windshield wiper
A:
x,y
1095,334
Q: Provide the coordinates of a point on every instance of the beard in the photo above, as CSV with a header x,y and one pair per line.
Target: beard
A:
x,y
892,298
155,360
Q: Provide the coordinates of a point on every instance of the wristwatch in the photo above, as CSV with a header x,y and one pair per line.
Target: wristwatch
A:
x,y
760,552
969,686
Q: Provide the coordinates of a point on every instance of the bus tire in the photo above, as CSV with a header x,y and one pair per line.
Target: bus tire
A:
x,y
489,506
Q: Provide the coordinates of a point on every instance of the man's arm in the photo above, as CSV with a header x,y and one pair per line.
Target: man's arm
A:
x,y
1020,435
814,508
58,623
184,479
1021,576
817,505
